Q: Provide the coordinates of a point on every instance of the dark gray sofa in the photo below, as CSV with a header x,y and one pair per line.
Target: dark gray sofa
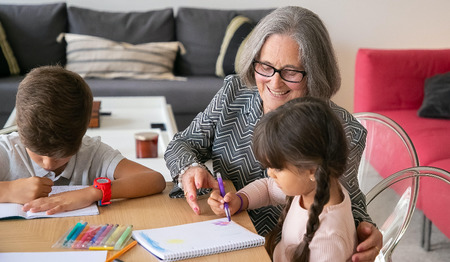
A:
x,y
32,30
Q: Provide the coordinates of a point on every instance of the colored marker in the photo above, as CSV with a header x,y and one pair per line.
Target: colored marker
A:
x,y
125,236
97,235
113,238
88,236
69,236
101,248
60,242
121,252
75,235
101,241
81,235
222,193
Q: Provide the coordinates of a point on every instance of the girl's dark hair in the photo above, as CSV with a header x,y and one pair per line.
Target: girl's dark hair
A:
x,y
306,133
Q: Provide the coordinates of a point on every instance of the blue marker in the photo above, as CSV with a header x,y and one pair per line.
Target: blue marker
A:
x,y
72,232
222,193
76,233
98,233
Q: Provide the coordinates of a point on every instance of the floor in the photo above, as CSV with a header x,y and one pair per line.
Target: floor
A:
x,y
409,248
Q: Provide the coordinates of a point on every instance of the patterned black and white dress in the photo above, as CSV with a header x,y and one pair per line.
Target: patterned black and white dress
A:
x,y
223,133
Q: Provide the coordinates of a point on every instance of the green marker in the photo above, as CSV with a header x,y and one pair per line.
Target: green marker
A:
x,y
113,238
124,237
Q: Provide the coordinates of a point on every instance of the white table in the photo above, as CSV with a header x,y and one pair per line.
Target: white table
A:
x,y
130,115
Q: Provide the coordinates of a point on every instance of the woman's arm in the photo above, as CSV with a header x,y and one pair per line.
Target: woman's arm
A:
x,y
193,145
356,137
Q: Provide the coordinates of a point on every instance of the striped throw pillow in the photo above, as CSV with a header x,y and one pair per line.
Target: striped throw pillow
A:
x,y
8,63
236,34
98,57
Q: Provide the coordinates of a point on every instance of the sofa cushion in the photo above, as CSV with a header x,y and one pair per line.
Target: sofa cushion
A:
x,y
236,34
201,31
8,63
436,102
428,135
32,31
130,27
92,56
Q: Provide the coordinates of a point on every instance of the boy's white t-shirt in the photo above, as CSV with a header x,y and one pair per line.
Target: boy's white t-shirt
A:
x,y
94,159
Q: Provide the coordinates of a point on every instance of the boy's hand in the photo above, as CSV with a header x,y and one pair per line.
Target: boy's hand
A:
x,y
216,202
24,190
65,201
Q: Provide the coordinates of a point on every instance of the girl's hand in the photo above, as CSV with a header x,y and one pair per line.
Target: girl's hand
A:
x,y
216,202
65,201
27,189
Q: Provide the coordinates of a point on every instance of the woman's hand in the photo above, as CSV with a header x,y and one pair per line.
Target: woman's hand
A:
x,y
193,179
370,242
216,202
65,201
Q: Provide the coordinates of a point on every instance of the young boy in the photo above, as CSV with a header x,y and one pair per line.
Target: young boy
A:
x,y
53,108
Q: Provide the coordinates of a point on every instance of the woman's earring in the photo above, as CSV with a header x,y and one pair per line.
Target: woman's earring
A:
x,y
312,179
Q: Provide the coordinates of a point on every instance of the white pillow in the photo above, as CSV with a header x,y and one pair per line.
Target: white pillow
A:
x,y
98,57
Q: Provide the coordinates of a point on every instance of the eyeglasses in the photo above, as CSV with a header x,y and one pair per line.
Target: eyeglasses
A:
x,y
289,75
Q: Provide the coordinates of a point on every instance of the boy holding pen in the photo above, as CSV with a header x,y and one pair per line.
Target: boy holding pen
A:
x,y
50,148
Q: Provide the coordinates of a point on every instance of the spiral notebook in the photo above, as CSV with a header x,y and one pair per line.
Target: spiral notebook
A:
x,y
196,239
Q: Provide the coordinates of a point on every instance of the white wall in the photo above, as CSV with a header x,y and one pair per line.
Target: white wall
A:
x,y
352,24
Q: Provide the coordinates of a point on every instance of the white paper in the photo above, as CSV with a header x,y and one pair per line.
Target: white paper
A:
x,y
68,256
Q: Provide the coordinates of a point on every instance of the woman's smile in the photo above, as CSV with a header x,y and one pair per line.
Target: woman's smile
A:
x,y
278,93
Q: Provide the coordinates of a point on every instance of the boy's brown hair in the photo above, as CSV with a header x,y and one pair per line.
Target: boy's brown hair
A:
x,y
53,107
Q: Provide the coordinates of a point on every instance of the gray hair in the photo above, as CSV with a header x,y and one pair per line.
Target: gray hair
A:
x,y
315,49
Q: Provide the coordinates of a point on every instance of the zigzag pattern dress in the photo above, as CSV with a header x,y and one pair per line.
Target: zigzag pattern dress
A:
x,y
223,133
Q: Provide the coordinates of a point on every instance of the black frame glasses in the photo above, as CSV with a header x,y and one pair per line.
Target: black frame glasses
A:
x,y
283,72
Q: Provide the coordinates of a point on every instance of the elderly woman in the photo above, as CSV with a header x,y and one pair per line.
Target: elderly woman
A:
x,y
288,55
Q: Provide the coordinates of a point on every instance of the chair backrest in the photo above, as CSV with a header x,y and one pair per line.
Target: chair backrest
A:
x,y
391,203
388,150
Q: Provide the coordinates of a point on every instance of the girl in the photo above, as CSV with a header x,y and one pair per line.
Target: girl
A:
x,y
303,146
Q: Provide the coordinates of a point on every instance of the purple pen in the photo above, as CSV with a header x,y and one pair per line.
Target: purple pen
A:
x,y
222,193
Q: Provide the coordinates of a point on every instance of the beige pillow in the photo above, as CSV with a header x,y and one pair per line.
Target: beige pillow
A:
x,y
8,62
236,35
98,57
